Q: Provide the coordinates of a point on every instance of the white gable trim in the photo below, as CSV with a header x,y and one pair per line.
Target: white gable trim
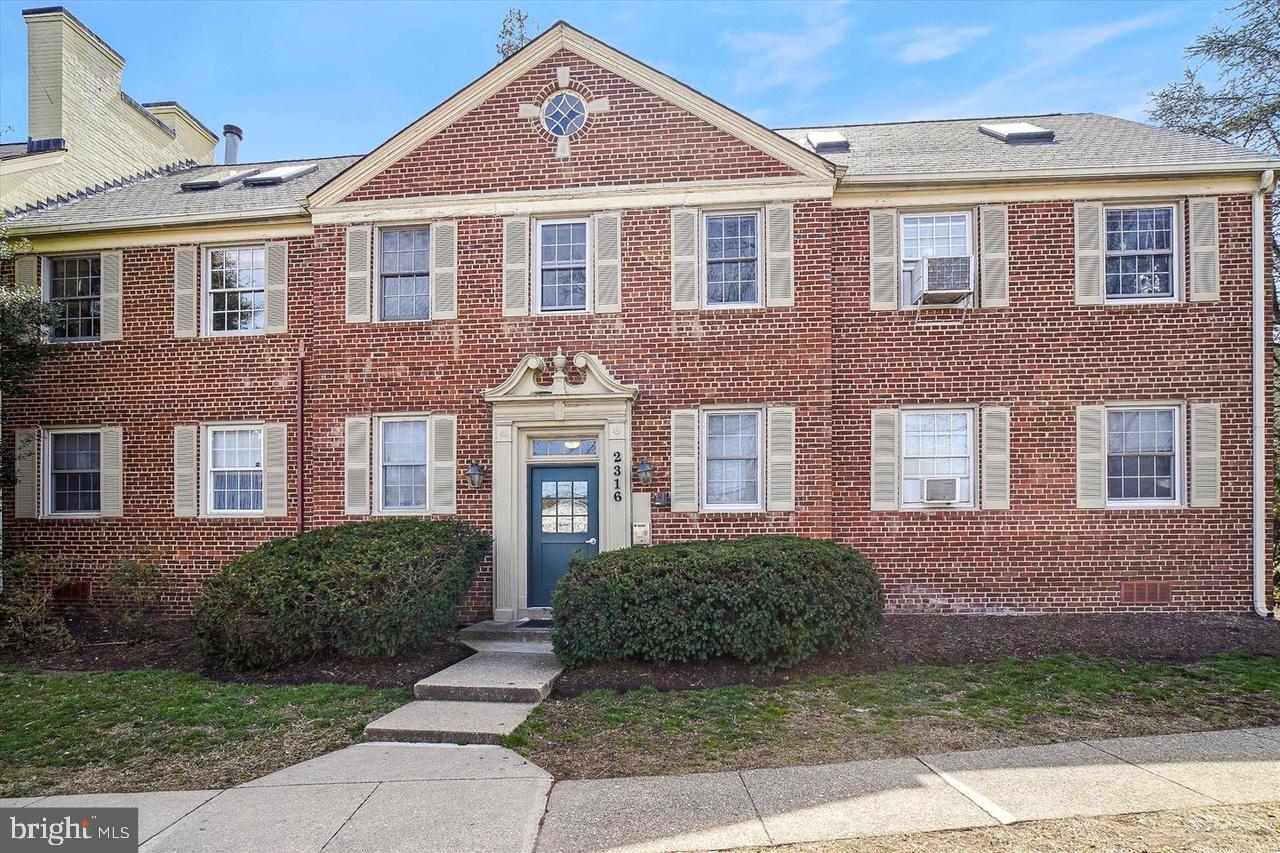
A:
x,y
560,36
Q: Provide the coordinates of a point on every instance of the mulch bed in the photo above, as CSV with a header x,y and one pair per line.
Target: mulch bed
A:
x,y
171,648
944,640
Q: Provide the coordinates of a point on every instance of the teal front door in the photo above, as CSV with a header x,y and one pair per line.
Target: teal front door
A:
x,y
563,520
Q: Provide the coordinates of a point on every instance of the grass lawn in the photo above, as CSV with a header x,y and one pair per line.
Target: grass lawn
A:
x,y
905,710
140,730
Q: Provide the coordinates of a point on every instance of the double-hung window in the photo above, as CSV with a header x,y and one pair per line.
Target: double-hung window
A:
x,y
235,290
233,455
733,259
73,461
937,457
937,258
564,281
403,460
75,291
1140,253
732,453
404,267
1143,455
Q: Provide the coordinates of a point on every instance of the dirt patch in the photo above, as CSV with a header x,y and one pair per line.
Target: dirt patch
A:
x,y
171,647
946,640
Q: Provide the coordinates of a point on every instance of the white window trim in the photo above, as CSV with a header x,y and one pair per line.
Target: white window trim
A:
x,y
1177,262
535,278
705,264
970,236
703,416
46,295
206,291
206,474
974,485
378,421
377,269
46,472
1179,457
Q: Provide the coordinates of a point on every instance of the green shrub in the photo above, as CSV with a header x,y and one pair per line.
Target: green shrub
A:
x,y
130,595
770,600
27,614
371,589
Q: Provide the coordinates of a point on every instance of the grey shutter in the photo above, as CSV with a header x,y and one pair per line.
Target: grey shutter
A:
x,y
1090,235
186,292
356,501
111,315
111,472
444,464
275,470
1206,454
995,457
515,266
444,270
359,240
684,460
886,271
1203,213
994,224
685,256
607,275
884,459
780,456
1091,457
186,480
26,469
24,272
277,289
779,257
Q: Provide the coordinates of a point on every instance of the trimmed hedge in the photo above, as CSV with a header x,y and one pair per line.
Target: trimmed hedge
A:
x,y
769,600
369,589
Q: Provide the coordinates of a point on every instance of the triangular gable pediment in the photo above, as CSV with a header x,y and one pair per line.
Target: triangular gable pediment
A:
x,y
562,37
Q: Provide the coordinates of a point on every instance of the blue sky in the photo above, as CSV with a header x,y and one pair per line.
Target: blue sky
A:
x,y
325,78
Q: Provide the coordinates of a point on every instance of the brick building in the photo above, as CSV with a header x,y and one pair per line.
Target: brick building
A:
x,y
1017,362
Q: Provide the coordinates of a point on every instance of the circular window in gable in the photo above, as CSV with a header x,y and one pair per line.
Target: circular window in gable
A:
x,y
564,114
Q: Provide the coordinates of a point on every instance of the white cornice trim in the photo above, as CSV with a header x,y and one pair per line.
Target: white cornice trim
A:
x,y
183,220
534,53
577,199
1004,176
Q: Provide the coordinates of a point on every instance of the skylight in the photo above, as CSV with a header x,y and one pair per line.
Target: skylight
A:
x,y
827,140
1017,131
279,175
218,179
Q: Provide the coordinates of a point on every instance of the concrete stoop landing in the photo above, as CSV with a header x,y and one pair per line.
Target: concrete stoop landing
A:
x,y
481,698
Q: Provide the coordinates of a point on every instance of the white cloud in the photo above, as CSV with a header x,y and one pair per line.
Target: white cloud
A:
x,y
796,60
929,44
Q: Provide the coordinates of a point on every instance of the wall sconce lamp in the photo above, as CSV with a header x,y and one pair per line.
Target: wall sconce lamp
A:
x,y
475,475
644,473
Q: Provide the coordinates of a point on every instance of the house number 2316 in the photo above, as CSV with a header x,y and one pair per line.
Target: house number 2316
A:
x,y
617,476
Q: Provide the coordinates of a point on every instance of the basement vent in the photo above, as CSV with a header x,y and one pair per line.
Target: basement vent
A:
x,y
279,175
827,141
218,179
1146,592
1014,132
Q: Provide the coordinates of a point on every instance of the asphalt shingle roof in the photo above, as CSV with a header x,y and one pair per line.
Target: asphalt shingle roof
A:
x,y
163,196
1081,140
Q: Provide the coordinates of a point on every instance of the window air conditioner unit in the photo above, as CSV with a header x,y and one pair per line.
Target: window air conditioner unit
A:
x,y
941,490
942,280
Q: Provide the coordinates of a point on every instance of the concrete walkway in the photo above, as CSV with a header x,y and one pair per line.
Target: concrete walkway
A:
x,y
412,797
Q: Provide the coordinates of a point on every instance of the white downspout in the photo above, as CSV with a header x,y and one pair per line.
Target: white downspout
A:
x,y
1261,435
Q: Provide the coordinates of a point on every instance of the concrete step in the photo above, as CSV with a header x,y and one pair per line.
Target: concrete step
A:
x,y
449,722
523,647
493,677
507,631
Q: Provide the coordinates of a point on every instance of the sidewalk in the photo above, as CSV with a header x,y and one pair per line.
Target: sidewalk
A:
x,y
412,797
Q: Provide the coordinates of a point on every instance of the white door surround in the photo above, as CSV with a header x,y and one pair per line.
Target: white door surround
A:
x,y
524,409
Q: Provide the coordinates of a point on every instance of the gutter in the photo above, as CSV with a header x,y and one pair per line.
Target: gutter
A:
x,y
1261,435
16,226
1081,172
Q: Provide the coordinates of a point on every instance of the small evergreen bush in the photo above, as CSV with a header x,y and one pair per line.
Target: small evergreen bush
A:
x,y
772,601
28,615
370,589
